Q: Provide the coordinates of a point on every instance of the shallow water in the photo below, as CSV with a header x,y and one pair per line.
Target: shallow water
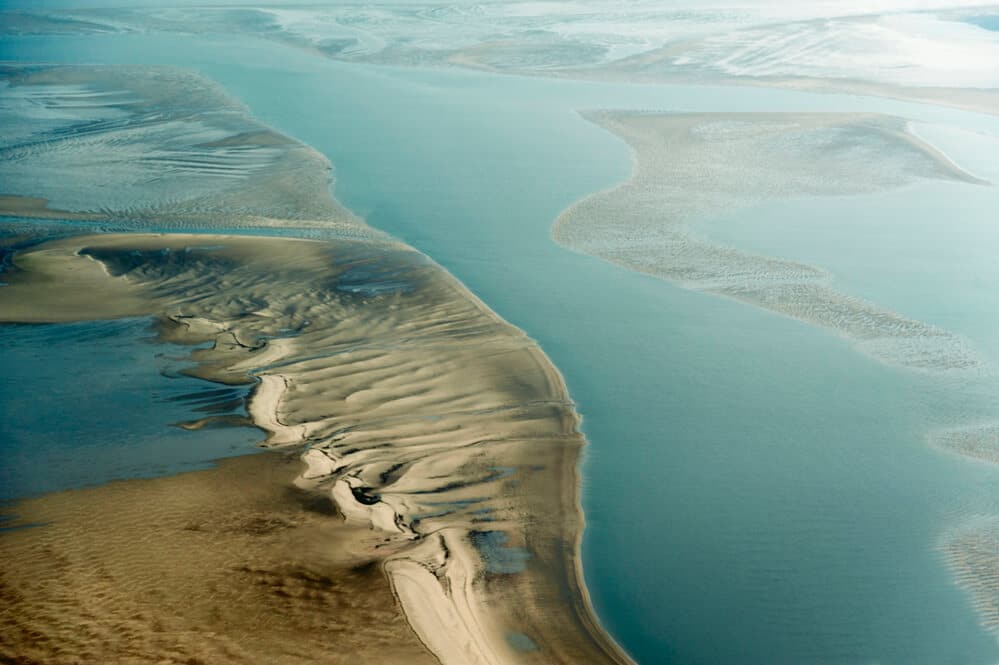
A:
x,y
85,403
987,21
755,491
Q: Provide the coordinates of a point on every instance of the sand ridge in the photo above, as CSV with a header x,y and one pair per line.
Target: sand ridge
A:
x,y
441,436
438,429
227,565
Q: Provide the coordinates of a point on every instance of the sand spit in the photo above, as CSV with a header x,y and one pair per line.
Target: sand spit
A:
x,y
691,167
441,433
160,147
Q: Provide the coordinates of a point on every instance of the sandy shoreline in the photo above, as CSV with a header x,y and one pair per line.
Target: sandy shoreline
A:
x,y
425,419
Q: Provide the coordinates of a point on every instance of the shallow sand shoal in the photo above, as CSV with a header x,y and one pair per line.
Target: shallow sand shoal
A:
x,y
690,168
174,151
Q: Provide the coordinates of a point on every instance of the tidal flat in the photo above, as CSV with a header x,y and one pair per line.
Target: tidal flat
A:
x,y
439,435
779,491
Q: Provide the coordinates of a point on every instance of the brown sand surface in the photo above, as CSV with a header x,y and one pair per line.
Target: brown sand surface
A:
x,y
228,565
442,434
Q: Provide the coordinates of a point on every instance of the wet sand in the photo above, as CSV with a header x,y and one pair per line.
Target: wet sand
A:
x,y
972,547
782,53
689,168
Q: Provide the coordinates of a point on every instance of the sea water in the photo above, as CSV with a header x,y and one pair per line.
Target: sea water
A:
x,y
85,403
756,491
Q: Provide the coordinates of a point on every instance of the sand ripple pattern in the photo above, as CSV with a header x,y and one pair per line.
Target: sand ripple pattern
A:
x,y
981,442
692,167
422,415
973,553
152,146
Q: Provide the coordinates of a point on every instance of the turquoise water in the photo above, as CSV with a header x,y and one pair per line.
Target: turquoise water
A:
x,y
756,492
84,403
987,21
929,251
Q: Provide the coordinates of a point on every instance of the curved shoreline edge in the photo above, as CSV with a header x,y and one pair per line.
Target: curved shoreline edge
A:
x,y
440,430
424,416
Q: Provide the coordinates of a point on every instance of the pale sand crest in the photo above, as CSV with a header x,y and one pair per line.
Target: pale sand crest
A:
x,y
443,436
692,167
438,429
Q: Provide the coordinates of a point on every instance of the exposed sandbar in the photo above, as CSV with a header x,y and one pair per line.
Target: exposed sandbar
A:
x,y
441,432
692,167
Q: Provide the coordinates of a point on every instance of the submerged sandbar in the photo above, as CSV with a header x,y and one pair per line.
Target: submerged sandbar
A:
x,y
439,439
689,168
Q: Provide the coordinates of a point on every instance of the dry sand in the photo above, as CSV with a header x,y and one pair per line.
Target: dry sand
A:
x,y
692,167
443,436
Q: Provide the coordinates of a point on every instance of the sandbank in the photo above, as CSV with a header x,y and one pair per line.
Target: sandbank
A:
x,y
692,167
440,440
428,424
